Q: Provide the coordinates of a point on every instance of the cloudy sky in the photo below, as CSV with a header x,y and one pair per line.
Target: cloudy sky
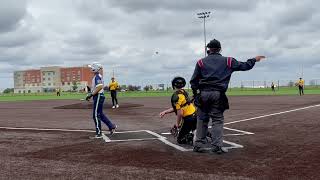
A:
x,y
126,34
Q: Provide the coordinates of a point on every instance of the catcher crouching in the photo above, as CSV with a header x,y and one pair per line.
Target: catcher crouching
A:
x,y
185,111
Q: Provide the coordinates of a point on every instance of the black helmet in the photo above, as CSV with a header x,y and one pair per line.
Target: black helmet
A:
x,y
214,44
178,82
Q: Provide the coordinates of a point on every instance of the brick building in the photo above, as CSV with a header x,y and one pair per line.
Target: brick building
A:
x,y
48,79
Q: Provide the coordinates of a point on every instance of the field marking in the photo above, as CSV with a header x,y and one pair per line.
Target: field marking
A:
x,y
105,138
64,130
232,146
240,132
273,114
108,140
165,141
128,140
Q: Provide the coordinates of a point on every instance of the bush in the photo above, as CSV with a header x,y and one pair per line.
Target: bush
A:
x,y
8,90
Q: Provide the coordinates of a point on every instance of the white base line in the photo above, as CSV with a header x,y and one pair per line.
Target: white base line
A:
x,y
105,138
65,130
45,129
240,131
128,140
273,114
108,140
233,146
164,140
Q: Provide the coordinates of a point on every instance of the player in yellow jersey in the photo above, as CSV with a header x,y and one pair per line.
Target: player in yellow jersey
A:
x,y
185,111
300,84
113,86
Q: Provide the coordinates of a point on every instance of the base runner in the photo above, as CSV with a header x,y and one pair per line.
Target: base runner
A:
x,y
98,100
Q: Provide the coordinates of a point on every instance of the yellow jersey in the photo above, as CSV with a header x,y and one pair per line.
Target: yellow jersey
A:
x,y
187,109
113,86
301,82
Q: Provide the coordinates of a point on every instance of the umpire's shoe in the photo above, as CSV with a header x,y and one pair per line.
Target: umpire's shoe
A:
x,y
218,150
199,149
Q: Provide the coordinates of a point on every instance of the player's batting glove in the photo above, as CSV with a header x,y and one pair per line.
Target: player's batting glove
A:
x,y
89,96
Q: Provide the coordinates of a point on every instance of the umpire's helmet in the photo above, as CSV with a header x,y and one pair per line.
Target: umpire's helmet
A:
x,y
214,44
178,82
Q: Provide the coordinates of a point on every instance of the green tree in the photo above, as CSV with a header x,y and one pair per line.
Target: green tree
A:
x,y
74,85
8,90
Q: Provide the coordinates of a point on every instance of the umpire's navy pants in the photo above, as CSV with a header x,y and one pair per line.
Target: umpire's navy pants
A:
x,y
98,115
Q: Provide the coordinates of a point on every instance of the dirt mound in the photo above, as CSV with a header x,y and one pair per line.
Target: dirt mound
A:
x,y
88,105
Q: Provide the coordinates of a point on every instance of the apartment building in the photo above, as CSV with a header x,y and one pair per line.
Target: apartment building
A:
x,y
48,79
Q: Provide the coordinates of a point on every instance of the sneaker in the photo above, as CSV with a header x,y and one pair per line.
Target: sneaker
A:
x,y
117,106
198,149
113,130
113,107
97,136
219,150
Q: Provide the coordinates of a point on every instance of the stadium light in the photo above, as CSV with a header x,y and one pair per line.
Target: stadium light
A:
x,y
204,15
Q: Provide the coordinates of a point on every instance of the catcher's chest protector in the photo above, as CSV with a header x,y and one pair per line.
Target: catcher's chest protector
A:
x,y
175,99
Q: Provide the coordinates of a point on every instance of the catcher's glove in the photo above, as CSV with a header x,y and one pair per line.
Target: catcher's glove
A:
x,y
174,131
89,96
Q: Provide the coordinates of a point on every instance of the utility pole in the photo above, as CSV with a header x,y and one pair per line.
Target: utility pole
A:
x,y
204,15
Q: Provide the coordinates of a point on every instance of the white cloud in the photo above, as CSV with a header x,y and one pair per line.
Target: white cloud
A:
x,y
127,34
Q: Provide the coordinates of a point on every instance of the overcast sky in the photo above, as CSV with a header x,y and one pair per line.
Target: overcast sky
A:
x,y
126,34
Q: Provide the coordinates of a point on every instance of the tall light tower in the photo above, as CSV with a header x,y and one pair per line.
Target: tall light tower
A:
x,y
204,15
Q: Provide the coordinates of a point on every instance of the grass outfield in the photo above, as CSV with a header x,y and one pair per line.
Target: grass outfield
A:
x,y
231,92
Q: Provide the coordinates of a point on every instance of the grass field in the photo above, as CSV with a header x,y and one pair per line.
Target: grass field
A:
x,y
231,92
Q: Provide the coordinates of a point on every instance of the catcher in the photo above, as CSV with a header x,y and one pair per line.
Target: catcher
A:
x,y
185,111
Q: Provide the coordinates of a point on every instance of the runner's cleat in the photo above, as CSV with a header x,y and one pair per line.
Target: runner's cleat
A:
x,y
113,130
117,106
113,107
97,136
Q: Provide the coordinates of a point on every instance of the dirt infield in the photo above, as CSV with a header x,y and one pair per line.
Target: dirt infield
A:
x,y
269,137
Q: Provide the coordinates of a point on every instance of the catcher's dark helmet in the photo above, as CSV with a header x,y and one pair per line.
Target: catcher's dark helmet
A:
x,y
178,82
214,44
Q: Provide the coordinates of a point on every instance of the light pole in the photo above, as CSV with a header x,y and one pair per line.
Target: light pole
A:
x,y
204,15
113,68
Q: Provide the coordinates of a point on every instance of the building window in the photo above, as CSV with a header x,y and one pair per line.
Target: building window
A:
x,y
62,83
44,79
49,84
19,91
49,74
68,83
49,79
54,84
53,73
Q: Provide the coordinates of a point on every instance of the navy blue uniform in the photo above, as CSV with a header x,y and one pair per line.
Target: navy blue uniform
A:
x,y
211,77
98,101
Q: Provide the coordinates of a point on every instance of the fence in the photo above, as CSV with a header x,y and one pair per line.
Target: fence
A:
x,y
255,84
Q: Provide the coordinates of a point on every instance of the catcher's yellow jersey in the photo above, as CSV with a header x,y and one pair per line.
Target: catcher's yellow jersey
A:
x,y
187,110
113,85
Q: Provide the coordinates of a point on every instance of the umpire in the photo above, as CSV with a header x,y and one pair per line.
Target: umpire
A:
x,y
209,84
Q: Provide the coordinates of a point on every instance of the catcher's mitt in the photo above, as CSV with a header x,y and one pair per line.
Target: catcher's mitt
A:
x,y
174,131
